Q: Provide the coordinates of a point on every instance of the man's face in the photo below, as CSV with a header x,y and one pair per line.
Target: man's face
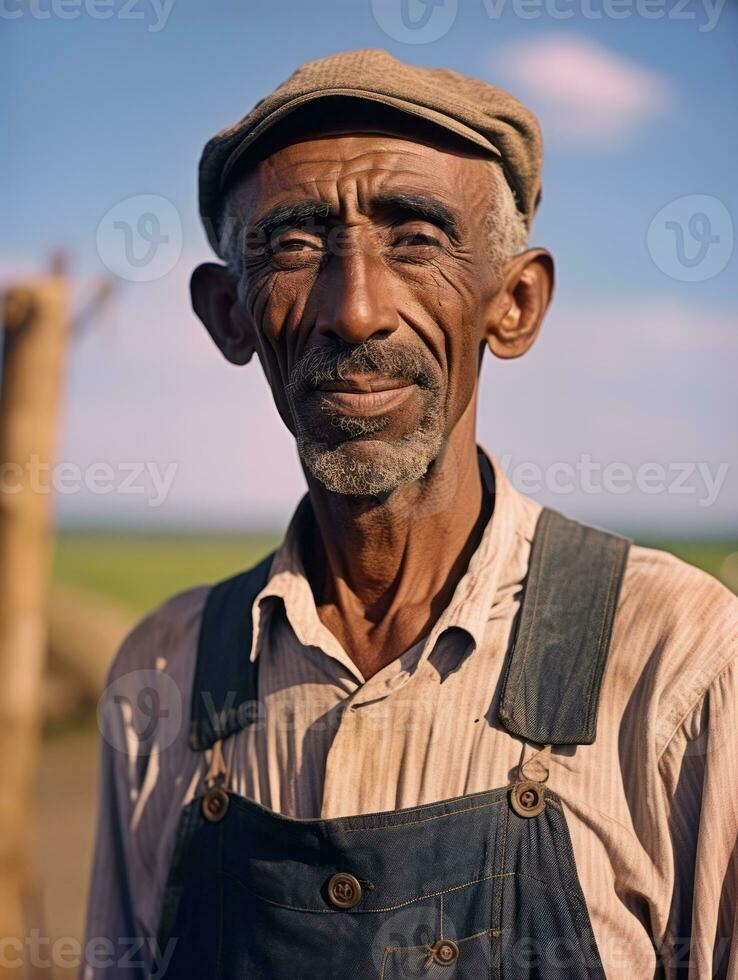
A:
x,y
366,280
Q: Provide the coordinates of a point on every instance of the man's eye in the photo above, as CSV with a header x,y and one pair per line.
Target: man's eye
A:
x,y
418,238
283,245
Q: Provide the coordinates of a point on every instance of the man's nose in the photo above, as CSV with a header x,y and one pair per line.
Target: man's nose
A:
x,y
357,298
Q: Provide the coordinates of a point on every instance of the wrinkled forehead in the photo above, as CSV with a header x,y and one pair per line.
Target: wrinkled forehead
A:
x,y
347,169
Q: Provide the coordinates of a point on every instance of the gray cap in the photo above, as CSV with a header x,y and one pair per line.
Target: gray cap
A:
x,y
476,111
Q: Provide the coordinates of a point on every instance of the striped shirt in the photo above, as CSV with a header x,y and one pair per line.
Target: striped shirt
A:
x,y
652,805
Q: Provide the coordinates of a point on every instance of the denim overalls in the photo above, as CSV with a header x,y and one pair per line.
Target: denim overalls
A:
x,y
481,886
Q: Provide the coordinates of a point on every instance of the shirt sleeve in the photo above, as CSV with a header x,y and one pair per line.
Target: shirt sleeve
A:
x,y
700,769
147,770
111,931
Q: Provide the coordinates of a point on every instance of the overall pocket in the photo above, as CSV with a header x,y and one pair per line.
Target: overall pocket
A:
x,y
448,937
469,958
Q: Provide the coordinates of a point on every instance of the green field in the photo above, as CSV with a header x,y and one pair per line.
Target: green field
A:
x,y
142,570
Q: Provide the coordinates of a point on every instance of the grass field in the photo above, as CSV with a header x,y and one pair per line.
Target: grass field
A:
x,y
142,570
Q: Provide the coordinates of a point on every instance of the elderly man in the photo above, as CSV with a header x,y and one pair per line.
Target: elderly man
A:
x,y
440,732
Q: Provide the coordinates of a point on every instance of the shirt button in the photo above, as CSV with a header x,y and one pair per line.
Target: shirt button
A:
x,y
344,891
445,952
215,804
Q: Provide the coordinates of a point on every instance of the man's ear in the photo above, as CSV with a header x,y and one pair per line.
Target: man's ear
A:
x,y
215,300
516,313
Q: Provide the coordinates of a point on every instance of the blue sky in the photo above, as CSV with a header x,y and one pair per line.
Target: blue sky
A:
x,y
635,368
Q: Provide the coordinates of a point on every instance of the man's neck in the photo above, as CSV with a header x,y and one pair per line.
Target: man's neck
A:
x,y
382,572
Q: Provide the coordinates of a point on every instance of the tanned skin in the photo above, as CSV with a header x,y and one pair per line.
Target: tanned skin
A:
x,y
382,568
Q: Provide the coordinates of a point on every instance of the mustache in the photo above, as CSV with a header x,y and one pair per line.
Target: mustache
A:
x,y
337,360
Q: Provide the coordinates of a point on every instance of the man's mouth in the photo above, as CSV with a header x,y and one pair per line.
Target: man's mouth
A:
x,y
366,394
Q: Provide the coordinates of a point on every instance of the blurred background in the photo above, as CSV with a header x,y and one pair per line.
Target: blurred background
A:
x,y
136,462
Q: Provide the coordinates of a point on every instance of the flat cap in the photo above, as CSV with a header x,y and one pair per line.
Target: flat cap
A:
x,y
476,111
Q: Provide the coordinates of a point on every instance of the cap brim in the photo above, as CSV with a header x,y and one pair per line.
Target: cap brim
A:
x,y
422,112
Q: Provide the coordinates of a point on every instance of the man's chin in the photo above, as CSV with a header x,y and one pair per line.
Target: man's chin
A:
x,y
370,466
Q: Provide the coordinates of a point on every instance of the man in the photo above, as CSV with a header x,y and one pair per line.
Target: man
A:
x,y
441,732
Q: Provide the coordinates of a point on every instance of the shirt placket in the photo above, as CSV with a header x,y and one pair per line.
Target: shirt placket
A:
x,y
368,718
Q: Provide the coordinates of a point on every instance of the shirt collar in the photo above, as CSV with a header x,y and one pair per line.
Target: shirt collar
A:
x,y
288,582
498,566
493,577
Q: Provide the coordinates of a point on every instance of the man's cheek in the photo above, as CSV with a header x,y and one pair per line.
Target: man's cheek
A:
x,y
463,359
273,318
278,388
270,296
281,313
445,298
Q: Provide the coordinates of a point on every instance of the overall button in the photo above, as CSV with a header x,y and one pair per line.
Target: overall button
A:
x,y
527,799
344,891
445,952
215,804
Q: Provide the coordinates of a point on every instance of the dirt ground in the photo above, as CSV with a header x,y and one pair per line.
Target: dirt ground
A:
x,y
66,808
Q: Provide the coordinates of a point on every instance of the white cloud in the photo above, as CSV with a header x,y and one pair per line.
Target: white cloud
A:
x,y
586,95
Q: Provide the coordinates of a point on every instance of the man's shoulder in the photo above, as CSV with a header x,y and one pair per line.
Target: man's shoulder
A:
x,y
676,633
672,592
165,639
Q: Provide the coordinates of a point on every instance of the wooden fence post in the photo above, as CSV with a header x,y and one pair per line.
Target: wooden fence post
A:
x,y
35,323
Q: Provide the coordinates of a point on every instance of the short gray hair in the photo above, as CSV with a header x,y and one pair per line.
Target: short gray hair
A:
x,y
506,227
507,231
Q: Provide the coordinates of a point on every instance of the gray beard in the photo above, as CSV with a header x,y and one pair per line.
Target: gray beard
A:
x,y
399,461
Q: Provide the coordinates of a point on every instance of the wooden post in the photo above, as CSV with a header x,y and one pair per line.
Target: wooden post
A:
x,y
36,330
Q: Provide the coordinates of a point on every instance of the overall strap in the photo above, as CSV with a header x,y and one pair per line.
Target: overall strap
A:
x,y
224,694
551,690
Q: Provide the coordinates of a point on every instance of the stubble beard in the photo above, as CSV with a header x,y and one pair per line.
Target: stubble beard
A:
x,y
346,467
